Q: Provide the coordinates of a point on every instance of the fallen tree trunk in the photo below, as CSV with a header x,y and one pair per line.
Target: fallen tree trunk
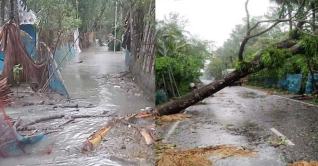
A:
x,y
194,97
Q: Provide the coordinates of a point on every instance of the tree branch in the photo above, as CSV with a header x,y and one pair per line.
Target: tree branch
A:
x,y
302,5
282,11
247,19
264,31
304,31
273,20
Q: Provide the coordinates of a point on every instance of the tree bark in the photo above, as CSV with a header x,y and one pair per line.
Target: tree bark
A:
x,y
194,97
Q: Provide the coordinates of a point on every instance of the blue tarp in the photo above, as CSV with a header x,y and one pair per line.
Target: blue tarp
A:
x,y
309,88
56,84
293,82
12,143
13,147
29,43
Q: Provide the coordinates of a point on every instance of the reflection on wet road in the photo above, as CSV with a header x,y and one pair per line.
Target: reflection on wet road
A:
x,y
85,81
245,117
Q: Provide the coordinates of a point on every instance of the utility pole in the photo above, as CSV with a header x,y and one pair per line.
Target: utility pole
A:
x,y
115,27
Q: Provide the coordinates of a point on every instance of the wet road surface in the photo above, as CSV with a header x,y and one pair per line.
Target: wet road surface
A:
x,y
245,117
87,87
85,81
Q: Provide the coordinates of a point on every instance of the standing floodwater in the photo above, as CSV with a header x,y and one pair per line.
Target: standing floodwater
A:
x,y
85,77
85,80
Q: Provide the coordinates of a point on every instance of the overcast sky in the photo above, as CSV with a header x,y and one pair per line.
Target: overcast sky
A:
x,y
211,19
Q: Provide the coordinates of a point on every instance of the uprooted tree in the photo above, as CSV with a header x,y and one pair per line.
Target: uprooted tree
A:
x,y
302,40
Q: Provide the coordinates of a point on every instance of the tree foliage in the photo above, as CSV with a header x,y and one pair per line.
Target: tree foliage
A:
x,y
179,56
275,61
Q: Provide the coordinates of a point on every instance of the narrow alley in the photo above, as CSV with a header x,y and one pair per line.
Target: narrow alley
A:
x,y
86,78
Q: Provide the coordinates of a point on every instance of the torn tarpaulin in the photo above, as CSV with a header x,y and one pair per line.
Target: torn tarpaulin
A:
x,y
11,142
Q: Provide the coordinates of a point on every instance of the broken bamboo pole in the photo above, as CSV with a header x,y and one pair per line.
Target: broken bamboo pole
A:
x,y
95,139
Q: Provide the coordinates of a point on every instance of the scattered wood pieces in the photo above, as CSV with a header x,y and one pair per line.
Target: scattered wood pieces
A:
x,y
17,123
148,138
52,117
67,122
51,131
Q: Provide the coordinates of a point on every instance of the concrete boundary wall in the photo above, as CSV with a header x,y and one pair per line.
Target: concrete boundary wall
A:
x,y
145,80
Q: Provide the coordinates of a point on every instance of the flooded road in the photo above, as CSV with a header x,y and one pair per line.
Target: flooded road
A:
x,y
85,81
88,89
245,118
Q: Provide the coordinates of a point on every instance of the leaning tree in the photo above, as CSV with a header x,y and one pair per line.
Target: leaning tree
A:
x,y
302,40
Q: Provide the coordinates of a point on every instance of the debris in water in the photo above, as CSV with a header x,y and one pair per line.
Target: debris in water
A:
x,y
49,150
167,119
